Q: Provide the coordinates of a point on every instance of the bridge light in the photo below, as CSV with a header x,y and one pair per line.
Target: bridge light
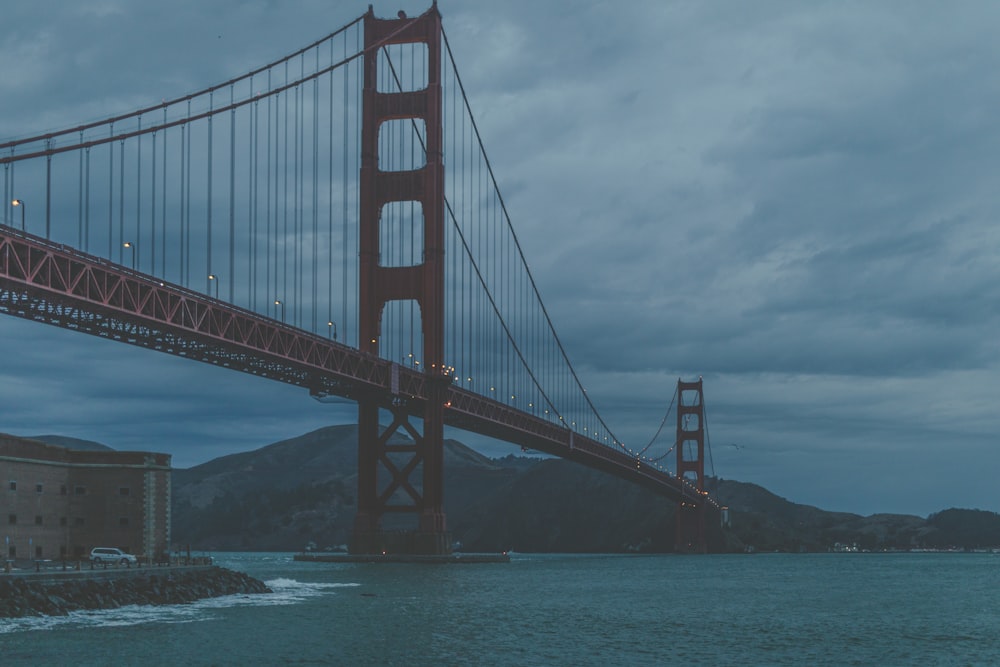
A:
x,y
131,246
19,202
214,278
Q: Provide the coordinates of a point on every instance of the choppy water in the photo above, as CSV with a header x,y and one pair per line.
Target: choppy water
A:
x,y
836,609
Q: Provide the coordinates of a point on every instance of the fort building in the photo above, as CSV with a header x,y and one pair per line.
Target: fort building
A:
x,y
59,503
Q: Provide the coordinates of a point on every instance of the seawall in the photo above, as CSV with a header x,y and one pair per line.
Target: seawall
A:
x,y
57,594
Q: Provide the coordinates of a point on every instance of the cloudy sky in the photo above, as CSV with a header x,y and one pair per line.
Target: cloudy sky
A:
x,y
793,200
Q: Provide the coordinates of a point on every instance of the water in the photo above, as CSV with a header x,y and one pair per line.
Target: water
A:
x,y
822,609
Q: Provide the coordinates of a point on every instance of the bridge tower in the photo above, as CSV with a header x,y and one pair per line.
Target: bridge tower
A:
x,y
393,477
690,446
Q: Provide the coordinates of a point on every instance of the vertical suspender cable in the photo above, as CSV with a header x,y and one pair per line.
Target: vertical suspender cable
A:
x,y
181,205
6,192
163,203
343,223
152,210
121,200
111,193
86,207
296,206
269,294
208,214
329,231
284,213
252,205
315,199
231,276
48,189
79,202
138,196
413,207
187,202
277,199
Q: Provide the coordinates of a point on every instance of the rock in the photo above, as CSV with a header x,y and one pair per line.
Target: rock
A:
x,y
23,597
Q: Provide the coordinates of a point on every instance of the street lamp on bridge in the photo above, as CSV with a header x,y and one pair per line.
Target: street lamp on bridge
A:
x,y
16,203
214,278
280,305
332,328
131,246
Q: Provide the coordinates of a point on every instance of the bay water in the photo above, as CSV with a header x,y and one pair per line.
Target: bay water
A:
x,y
762,609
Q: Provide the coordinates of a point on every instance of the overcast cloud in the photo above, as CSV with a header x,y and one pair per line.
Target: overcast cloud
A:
x,y
794,200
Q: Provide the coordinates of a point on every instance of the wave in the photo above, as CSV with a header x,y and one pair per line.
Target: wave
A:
x,y
105,618
285,592
285,583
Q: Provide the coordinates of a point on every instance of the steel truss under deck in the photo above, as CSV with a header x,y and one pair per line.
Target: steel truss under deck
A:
x,y
58,285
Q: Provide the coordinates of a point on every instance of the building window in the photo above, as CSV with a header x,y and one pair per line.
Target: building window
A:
x,y
79,521
123,521
80,490
38,488
62,490
124,491
13,486
62,521
12,519
38,519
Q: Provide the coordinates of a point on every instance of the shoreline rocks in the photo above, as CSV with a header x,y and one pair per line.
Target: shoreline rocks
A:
x,y
22,596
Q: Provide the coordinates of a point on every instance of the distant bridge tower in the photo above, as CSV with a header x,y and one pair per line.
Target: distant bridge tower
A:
x,y
394,477
690,446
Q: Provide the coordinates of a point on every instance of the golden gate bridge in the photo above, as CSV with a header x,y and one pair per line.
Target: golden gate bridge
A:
x,y
299,223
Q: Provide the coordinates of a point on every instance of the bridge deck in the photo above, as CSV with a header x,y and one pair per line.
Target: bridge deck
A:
x,y
62,286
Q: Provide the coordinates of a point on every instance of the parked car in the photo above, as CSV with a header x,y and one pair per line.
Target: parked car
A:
x,y
104,555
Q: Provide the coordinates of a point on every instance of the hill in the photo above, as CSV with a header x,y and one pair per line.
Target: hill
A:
x,y
71,443
301,490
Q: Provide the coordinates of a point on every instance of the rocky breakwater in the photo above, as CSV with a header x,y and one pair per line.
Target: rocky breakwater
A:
x,y
57,596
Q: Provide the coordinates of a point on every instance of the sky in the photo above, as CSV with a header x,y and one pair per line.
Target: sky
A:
x,y
794,201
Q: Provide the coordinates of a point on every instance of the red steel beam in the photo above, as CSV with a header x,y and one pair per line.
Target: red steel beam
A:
x,y
58,285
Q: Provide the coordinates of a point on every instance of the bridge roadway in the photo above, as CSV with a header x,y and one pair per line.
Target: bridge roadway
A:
x,y
59,285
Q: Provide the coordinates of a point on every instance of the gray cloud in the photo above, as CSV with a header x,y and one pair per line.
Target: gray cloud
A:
x,y
793,200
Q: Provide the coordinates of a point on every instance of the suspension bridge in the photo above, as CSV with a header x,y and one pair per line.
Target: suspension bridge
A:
x,y
330,220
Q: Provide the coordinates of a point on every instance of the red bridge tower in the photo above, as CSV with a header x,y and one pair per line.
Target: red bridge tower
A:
x,y
690,446
394,477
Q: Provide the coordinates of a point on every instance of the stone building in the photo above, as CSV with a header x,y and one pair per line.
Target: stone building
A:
x,y
60,503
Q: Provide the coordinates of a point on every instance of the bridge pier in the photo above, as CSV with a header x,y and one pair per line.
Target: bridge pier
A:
x,y
398,476
690,538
